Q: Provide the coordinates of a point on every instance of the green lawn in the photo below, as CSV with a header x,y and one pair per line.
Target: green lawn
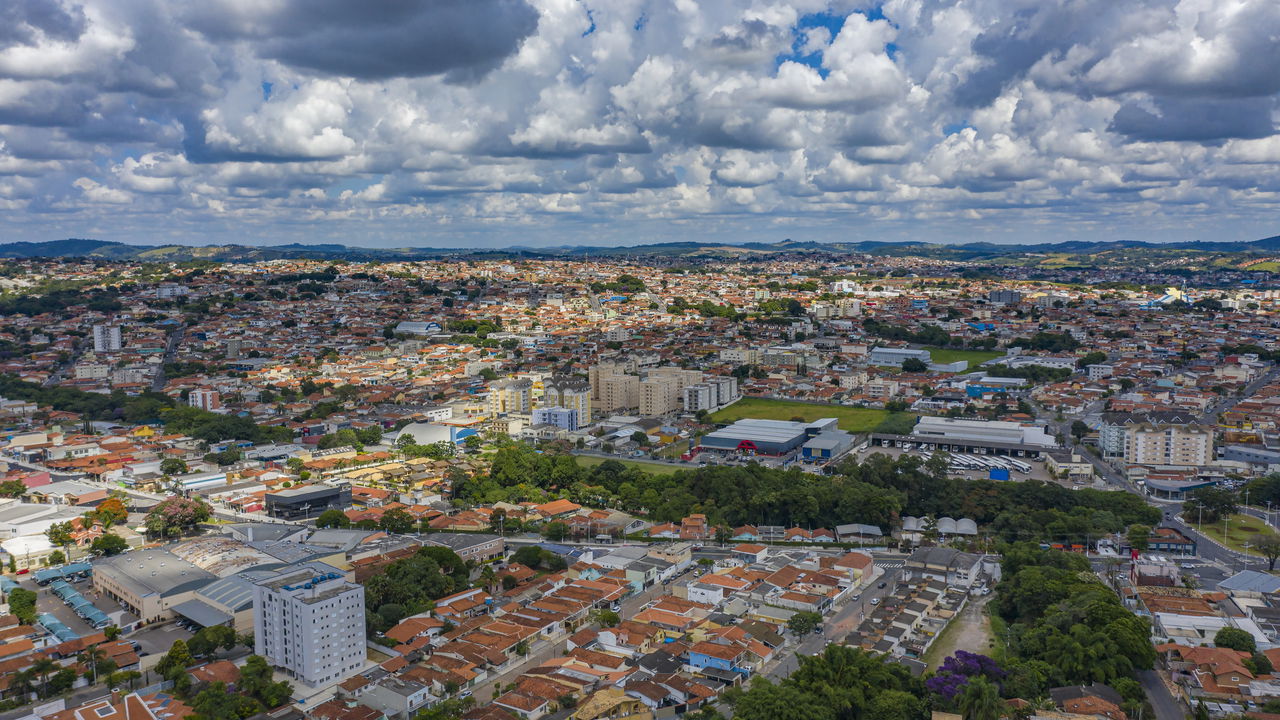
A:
x,y
1240,529
590,461
975,357
852,419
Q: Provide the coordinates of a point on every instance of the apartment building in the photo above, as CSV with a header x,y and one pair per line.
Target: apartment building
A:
x,y
662,390
106,338
619,392
205,399
570,394
309,621
742,356
713,393
510,396
1177,445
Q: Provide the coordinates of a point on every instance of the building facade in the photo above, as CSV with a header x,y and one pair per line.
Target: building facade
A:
x,y
1176,445
107,338
309,621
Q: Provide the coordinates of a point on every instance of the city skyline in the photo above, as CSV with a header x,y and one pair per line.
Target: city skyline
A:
x,y
511,123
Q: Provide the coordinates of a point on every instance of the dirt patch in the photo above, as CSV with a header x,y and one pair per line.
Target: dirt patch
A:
x,y
971,631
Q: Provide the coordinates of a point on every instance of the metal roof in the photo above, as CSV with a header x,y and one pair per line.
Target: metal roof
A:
x,y
201,612
1251,581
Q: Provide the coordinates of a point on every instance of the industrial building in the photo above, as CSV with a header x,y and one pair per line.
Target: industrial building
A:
x,y
765,437
149,583
309,621
894,357
308,501
972,436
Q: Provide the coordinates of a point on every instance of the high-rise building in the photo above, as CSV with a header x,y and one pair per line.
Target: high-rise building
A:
x,y
1004,297
233,348
662,390
571,393
1182,445
309,621
619,392
510,396
205,399
106,338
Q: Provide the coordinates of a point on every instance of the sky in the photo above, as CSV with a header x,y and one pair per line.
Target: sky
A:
x,y
498,123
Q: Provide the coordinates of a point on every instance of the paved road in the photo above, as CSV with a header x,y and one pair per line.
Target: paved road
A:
x,y
836,627
171,346
1165,706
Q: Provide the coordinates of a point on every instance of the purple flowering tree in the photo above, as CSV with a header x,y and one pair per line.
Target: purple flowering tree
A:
x,y
958,669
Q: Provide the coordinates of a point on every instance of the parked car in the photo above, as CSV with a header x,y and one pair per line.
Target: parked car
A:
x,y
882,585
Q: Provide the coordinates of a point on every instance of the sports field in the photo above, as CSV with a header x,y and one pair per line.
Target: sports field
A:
x,y
856,420
975,357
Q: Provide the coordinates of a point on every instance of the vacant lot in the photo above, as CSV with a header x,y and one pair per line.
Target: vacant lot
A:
x,y
855,420
590,461
975,357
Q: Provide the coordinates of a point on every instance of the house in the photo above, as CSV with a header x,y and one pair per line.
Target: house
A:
x,y
727,657
1095,699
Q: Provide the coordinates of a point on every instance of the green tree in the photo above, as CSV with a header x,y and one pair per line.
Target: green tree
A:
x,y
396,520
1269,546
59,534
106,545
555,531
12,488
914,365
1139,537
173,466
1079,429
1209,504
22,603
333,518
980,700
766,701
803,623
1235,639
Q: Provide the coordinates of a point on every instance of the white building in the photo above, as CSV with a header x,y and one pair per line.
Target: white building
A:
x,y
205,399
106,338
309,621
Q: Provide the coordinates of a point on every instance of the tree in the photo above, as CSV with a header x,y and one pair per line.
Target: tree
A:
x,y
980,700
111,512
555,531
59,534
803,623
107,545
1139,537
1209,504
333,518
607,618
1269,546
173,466
914,365
1079,429
22,603
56,557
112,632
13,488
175,515
1235,639
396,520
176,661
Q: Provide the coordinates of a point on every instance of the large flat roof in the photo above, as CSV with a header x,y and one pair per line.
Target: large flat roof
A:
x,y
778,431
153,572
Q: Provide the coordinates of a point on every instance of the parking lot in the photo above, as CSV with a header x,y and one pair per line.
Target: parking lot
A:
x,y
156,640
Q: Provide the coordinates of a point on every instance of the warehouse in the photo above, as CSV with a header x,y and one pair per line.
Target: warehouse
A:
x,y
972,436
149,583
765,437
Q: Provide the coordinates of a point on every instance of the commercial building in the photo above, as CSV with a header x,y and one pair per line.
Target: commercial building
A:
x,y
480,548
510,396
106,338
1169,445
894,357
309,621
205,399
766,437
972,436
307,501
149,583
1004,297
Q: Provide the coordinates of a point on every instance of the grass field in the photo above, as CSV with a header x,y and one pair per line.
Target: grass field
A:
x,y
852,419
975,357
1240,529
590,461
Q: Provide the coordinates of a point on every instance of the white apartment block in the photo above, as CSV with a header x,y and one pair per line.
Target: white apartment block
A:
x,y
742,356
309,621
710,395
106,338
1184,445
205,399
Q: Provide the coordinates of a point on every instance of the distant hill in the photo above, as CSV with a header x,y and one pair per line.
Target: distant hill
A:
x,y
1070,253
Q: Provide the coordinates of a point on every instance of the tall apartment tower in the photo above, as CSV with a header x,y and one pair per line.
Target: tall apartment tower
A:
x,y
106,338
569,393
510,396
309,622
1180,445
205,399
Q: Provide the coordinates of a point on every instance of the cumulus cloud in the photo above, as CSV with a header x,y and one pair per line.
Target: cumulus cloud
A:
x,y
620,121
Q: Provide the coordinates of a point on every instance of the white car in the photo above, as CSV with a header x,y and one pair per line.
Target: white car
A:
x,y
875,601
